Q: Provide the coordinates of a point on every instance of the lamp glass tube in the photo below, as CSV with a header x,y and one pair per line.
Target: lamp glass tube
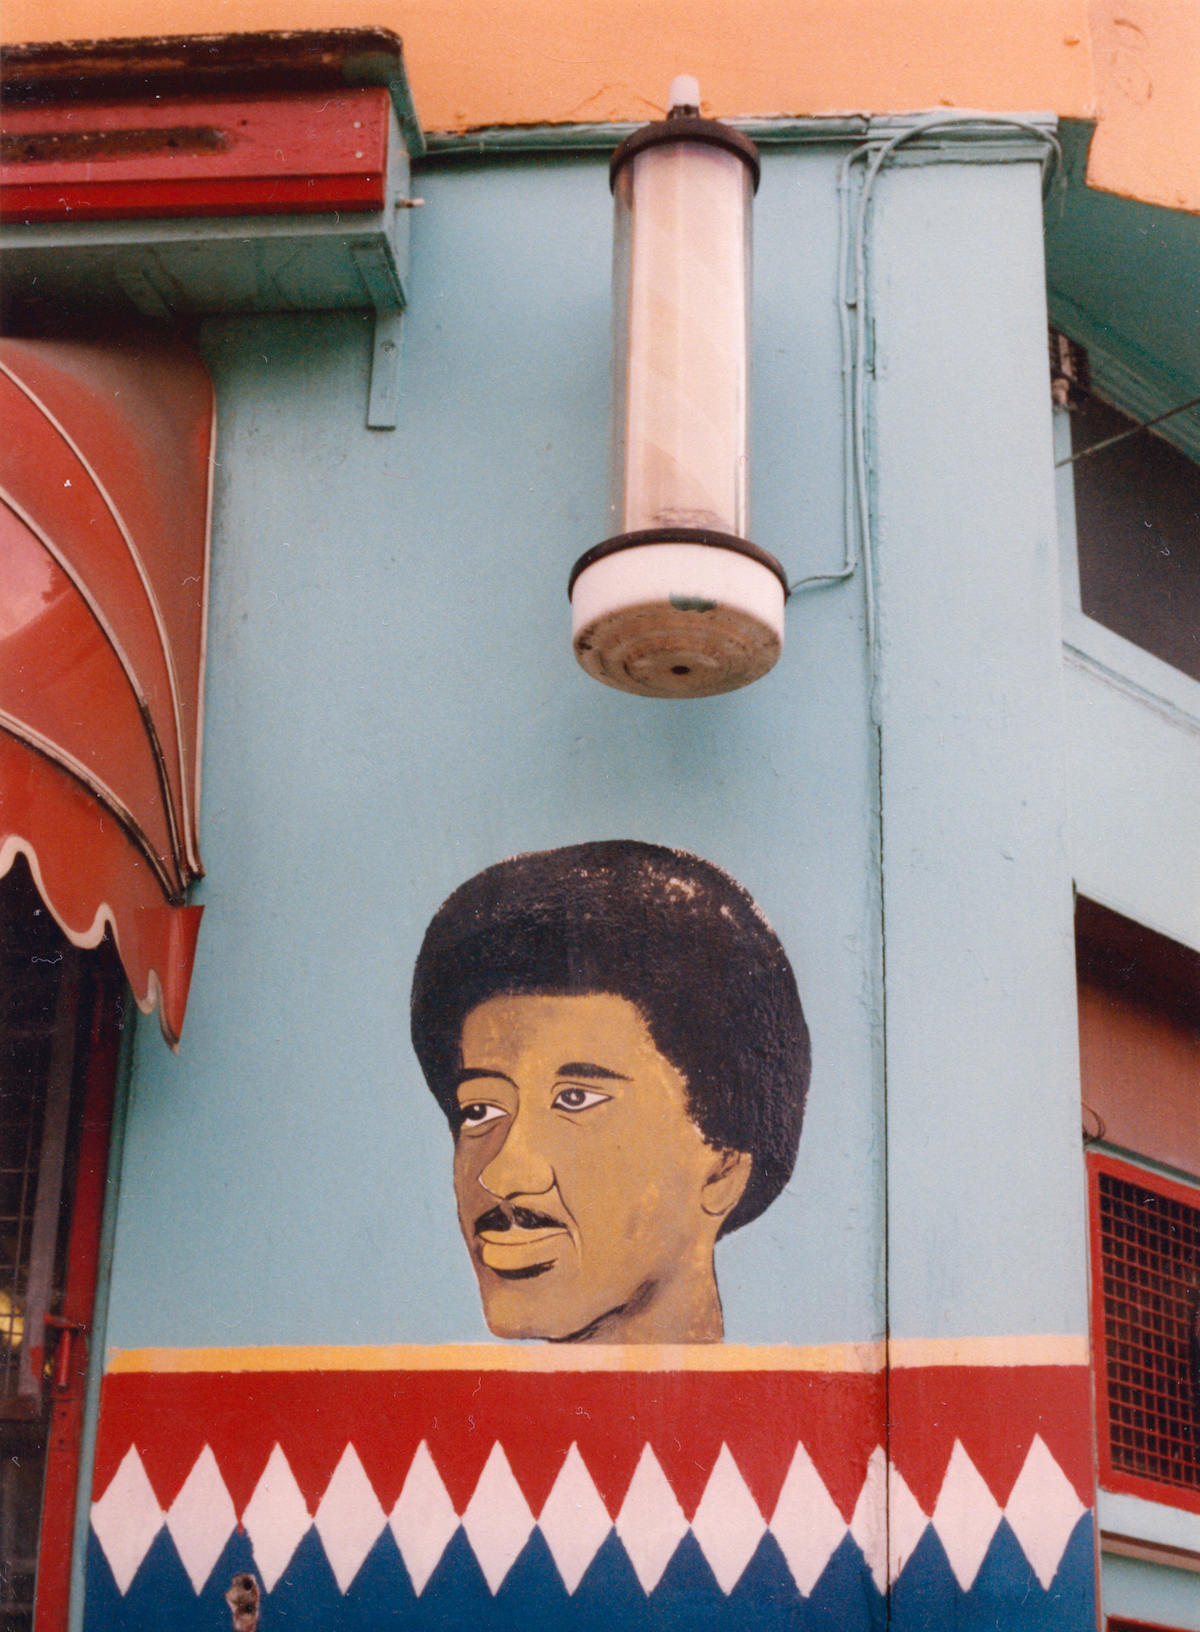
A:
x,y
678,456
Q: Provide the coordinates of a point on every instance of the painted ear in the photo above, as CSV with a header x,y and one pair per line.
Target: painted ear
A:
x,y
726,1183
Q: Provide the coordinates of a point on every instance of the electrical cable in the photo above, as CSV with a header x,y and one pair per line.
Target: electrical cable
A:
x,y
852,297
1123,436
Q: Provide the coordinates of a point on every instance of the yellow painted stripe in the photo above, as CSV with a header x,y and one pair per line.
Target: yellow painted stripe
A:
x,y
826,1357
830,1357
1015,1349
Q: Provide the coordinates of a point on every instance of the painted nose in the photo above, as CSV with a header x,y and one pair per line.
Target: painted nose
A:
x,y
520,1167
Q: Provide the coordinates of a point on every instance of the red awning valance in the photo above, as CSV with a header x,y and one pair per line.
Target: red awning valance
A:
x,y
105,460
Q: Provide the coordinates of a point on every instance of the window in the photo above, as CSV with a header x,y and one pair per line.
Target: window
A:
x,y
1137,526
1139,1014
1146,1254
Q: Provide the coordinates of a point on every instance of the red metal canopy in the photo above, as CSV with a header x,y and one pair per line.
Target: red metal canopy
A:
x,y
104,516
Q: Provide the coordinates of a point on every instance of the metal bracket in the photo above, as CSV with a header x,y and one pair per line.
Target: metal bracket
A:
x,y
384,400
379,277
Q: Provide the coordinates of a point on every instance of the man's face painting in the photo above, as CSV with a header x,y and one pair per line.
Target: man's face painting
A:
x,y
588,1198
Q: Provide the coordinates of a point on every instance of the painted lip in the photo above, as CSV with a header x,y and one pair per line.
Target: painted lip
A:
x,y
506,1250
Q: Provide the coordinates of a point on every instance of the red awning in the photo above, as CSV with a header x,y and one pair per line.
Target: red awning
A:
x,y
105,460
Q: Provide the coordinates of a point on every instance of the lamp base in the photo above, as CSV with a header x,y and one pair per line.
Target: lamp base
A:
x,y
668,618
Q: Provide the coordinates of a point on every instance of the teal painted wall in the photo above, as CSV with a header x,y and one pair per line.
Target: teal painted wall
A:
x,y
984,1168
1151,1592
392,704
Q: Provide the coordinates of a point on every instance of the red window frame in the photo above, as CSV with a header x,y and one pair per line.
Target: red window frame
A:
x,y
1122,1623
73,1325
1111,1477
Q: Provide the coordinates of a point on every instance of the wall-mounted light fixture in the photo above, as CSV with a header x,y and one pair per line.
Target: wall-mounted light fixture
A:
x,y
678,602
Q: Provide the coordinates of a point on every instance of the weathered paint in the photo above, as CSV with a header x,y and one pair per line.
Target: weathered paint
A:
x,y
980,1028
271,1199
464,732
1147,100
294,153
476,63
287,1180
701,1497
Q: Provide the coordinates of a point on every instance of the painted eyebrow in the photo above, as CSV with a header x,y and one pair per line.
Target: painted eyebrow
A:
x,y
476,1073
583,1068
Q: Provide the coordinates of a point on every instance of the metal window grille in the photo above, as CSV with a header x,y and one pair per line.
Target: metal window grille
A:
x,y
20,1142
1150,1263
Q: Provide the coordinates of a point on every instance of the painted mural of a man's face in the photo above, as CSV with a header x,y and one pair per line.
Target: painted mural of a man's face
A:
x,y
615,1036
589,1199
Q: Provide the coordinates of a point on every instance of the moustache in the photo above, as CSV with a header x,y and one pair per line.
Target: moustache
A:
x,y
518,1218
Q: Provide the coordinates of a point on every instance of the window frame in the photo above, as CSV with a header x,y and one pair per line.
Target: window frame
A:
x,y
1111,1478
1122,1623
1117,658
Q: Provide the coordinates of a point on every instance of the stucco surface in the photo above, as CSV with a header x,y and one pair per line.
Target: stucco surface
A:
x,y
393,704
487,62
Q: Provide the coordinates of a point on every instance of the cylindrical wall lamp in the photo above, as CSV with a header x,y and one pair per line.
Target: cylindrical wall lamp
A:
x,y
679,603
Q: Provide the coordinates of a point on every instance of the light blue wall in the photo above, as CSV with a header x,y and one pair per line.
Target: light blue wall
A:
x,y
393,704
985,1197
1151,1593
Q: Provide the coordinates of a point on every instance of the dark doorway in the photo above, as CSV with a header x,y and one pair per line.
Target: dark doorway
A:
x,y
61,1015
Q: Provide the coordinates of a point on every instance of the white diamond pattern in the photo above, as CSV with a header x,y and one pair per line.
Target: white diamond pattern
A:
x,y
126,1519
806,1523
1043,1510
868,1522
423,1519
574,1520
276,1518
201,1519
907,1523
651,1523
349,1519
728,1524
498,1519
965,1516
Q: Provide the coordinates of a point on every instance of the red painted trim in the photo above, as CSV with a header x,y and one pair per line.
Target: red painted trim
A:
x,y
1122,1623
66,1418
1110,1477
994,1412
535,1416
288,153
98,201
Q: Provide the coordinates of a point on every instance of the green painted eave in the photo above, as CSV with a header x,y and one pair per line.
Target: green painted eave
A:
x,y
1123,279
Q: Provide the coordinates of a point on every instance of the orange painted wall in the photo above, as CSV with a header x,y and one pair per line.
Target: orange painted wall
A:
x,y
485,62
1140,1070
1147,68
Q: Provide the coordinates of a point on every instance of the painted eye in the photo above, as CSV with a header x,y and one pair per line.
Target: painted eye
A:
x,y
578,1099
478,1114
